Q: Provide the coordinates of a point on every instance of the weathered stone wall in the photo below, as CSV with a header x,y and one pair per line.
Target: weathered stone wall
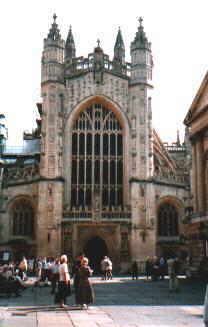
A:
x,y
49,213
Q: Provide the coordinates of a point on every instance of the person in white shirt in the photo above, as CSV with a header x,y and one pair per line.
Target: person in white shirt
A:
x,y
64,288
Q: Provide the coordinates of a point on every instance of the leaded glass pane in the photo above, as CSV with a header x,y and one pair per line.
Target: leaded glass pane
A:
x,y
167,220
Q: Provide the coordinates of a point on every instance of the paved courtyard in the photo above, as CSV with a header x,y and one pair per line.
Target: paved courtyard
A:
x,y
119,303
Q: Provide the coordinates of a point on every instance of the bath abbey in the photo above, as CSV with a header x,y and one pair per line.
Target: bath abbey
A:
x,y
94,177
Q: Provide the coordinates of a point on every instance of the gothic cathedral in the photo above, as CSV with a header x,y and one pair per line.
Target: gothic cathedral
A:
x,y
94,176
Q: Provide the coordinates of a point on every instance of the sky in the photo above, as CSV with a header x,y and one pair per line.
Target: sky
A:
x,y
177,30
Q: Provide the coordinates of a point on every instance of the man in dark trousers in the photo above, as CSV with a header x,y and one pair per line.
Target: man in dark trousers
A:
x,y
134,270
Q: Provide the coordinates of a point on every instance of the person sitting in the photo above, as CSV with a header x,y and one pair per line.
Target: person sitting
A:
x,y
8,284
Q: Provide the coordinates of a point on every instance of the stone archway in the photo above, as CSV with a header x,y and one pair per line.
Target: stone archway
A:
x,y
95,249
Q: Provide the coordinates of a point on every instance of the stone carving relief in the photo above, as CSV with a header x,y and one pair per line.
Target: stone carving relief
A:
x,y
21,173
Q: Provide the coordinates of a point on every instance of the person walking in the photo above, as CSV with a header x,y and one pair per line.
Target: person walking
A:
x,y
85,294
64,288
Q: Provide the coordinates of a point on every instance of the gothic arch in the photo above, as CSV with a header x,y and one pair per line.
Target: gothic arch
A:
x,y
116,111
105,101
88,235
172,200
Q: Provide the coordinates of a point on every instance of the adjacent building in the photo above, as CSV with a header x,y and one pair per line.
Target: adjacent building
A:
x,y
197,214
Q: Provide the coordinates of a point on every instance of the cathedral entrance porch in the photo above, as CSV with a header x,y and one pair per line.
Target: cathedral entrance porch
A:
x,y
96,241
95,249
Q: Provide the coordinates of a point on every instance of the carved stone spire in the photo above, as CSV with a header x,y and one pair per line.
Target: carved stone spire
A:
x,y
141,57
54,32
53,54
119,48
140,40
98,63
70,49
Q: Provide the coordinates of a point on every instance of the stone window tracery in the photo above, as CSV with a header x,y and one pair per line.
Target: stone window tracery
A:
x,y
22,219
97,158
167,220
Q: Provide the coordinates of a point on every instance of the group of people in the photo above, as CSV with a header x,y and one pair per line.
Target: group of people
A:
x,y
59,273
11,279
54,272
157,267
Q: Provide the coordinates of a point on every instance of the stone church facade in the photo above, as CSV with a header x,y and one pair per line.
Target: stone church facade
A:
x,y
94,176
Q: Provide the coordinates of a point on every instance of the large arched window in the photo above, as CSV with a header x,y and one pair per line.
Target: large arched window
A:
x,y
22,218
97,158
167,220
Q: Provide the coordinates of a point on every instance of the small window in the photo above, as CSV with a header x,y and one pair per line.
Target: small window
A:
x,y
23,218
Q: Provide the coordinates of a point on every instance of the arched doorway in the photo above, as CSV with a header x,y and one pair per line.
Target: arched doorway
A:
x,y
95,249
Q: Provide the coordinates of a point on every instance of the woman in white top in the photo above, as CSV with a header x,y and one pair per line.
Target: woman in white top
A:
x,y
64,288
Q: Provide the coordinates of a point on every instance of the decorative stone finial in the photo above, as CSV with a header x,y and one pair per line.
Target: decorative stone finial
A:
x,y
140,41
54,18
140,21
54,33
98,42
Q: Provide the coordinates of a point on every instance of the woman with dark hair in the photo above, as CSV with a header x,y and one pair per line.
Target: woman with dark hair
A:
x,y
64,288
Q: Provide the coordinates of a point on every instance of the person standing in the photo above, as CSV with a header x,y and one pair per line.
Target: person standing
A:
x,y
55,275
104,267
162,268
64,288
173,267
148,268
23,268
85,294
134,270
39,269
75,275
109,268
